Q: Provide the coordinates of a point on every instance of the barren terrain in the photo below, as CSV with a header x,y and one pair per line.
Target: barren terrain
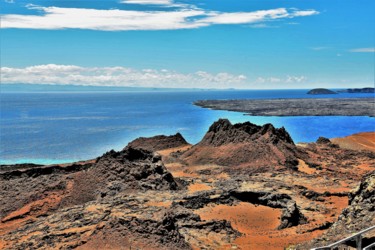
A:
x,y
222,193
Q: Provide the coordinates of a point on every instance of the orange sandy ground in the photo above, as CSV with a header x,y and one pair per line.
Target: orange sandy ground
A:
x,y
195,187
258,224
360,141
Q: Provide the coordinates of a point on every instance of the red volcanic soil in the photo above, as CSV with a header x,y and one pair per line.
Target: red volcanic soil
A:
x,y
360,141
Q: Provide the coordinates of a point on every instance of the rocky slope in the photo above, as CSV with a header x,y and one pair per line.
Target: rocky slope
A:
x,y
243,186
360,141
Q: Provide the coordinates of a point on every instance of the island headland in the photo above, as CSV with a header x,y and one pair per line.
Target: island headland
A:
x,y
321,91
242,186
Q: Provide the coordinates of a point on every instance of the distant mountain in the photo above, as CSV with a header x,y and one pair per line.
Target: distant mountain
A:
x,y
321,91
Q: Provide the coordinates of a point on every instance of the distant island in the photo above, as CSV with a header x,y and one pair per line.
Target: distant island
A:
x,y
321,91
358,90
296,107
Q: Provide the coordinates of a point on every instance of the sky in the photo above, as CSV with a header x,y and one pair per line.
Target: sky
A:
x,y
244,44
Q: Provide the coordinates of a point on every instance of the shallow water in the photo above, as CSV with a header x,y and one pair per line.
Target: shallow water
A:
x,y
64,127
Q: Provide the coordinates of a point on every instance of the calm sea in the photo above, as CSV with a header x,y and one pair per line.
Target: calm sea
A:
x,y
64,127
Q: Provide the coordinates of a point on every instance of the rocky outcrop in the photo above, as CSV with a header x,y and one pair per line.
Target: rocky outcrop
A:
x,y
323,140
321,91
244,144
359,215
361,210
132,169
159,142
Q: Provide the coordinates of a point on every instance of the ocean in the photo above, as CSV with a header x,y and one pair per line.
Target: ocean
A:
x,y
59,127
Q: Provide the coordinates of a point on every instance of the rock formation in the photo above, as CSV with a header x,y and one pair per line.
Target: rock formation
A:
x,y
244,145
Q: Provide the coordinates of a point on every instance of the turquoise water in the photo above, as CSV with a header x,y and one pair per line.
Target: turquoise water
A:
x,y
64,127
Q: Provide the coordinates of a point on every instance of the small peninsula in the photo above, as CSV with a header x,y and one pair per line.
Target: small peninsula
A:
x,y
296,107
321,91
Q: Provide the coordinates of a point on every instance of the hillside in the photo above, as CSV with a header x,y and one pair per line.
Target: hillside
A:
x,y
243,186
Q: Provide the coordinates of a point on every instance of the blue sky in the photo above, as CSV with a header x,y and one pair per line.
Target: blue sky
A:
x,y
205,44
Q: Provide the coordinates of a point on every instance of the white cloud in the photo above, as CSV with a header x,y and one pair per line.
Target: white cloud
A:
x,y
149,2
295,79
119,20
118,76
282,80
246,17
165,3
305,13
363,50
262,26
110,20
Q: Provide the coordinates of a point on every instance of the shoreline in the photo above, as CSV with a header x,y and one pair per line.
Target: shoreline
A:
x,y
295,107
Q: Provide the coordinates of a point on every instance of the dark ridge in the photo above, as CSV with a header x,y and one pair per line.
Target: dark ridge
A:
x,y
44,170
8,167
159,142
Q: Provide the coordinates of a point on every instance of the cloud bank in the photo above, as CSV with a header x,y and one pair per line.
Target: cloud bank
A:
x,y
363,50
118,76
185,17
